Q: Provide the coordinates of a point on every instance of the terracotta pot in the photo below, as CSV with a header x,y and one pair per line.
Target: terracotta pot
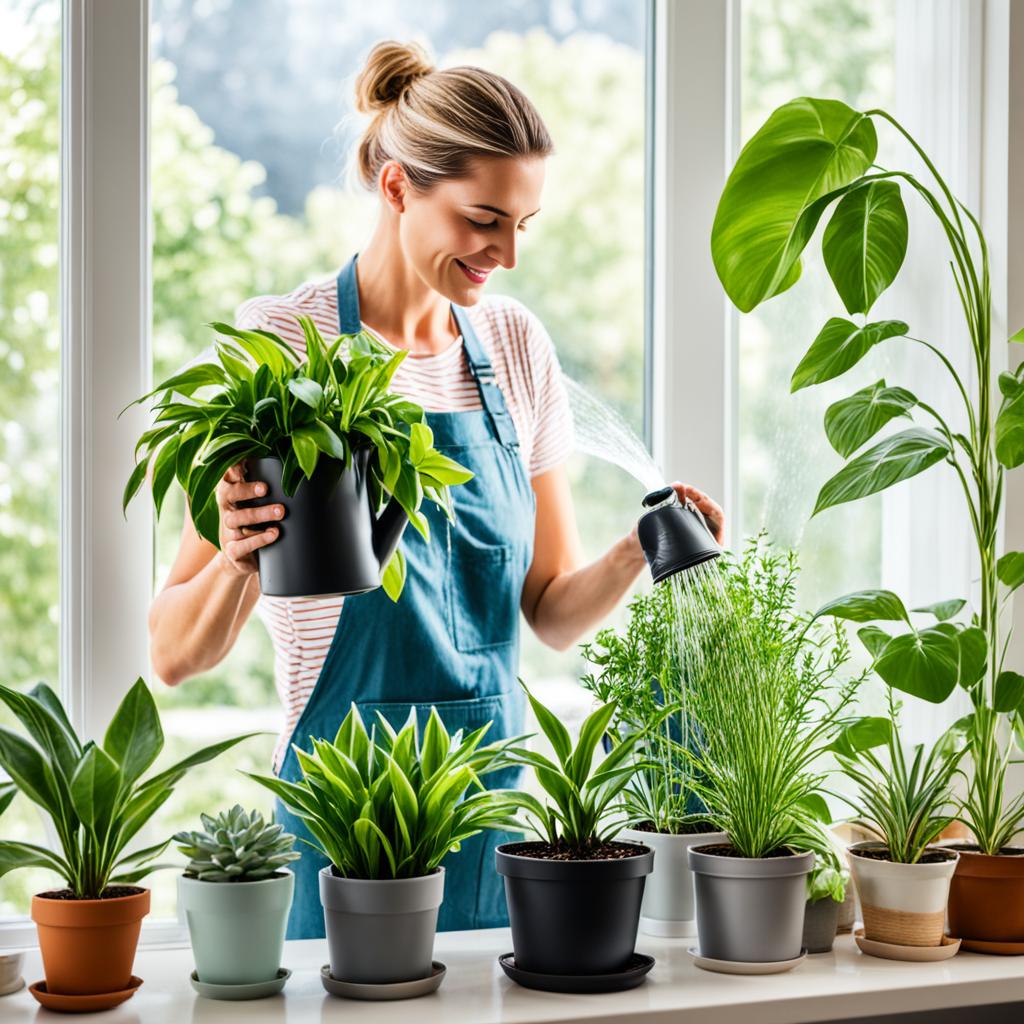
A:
x,y
986,897
88,946
902,904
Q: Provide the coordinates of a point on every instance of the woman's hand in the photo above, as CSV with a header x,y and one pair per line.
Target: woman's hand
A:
x,y
708,507
238,537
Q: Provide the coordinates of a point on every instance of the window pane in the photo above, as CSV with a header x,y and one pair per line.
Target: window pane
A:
x,y
29,377
841,49
248,198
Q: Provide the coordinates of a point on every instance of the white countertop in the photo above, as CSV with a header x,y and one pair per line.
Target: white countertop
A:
x,y
830,986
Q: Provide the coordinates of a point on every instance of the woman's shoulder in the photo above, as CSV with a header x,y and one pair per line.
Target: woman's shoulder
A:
x,y
510,325
315,297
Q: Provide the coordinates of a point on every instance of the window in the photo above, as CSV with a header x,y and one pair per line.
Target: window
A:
x,y
248,198
30,69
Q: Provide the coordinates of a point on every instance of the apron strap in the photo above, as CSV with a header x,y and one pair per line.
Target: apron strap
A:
x,y
491,397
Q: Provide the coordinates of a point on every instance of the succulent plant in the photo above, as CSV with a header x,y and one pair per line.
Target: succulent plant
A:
x,y
236,847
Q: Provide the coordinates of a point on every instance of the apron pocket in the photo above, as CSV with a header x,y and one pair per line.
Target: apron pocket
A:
x,y
483,603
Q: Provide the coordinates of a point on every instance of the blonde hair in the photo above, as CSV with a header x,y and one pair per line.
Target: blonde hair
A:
x,y
434,122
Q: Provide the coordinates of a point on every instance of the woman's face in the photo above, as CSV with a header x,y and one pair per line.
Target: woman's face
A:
x,y
459,232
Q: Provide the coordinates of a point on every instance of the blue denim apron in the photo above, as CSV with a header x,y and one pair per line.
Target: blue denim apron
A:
x,y
451,640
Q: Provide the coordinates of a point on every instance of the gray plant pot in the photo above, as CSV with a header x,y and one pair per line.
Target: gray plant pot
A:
x,y
380,931
668,905
237,928
821,920
749,910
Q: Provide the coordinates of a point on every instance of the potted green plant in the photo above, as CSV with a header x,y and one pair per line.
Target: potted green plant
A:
x,y
902,878
641,670
574,893
812,154
349,459
763,687
235,895
385,807
826,891
97,800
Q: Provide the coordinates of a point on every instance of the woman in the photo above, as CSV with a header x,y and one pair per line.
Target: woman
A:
x,y
457,159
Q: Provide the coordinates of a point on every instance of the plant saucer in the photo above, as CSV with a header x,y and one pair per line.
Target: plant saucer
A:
x,y
251,990
82,1003
707,963
996,948
617,981
915,954
379,991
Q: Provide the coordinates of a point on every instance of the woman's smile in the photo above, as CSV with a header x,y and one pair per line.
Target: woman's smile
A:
x,y
475,274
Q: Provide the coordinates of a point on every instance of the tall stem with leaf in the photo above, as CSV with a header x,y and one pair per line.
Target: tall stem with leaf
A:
x,y
809,155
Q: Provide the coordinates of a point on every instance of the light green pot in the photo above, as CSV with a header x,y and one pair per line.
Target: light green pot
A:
x,y
237,928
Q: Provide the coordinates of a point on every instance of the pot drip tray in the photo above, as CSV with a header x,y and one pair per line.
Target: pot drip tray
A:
x,y
915,954
380,991
82,1003
633,974
707,963
992,947
251,990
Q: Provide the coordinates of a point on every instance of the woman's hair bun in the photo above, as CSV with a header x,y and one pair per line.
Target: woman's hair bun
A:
x,y
390,68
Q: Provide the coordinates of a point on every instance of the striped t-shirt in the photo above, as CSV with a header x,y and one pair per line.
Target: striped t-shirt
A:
x,y
527,371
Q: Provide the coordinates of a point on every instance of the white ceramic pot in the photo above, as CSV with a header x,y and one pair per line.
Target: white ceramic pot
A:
x,y
668,906
903,904
10,972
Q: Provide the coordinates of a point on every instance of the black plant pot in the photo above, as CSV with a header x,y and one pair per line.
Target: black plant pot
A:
x,y
330,542
572,917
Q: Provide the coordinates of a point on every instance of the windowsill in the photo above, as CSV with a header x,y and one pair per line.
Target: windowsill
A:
x,y
832,986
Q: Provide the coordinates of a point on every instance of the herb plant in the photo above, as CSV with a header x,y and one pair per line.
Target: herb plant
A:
x,y
763,686
93,793
640,669
905,802
810,154
236,846
583,810
257,399
384,804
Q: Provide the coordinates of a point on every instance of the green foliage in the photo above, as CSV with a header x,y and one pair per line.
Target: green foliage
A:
x,y
581,799
258,399
384,804
762,682
236,846
92,794
905,802
863,254
639,668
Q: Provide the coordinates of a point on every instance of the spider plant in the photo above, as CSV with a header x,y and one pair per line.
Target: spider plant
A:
x,y
387,804
905,801
256,398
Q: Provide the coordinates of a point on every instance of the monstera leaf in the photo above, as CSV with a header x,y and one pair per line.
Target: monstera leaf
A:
x,y
805,155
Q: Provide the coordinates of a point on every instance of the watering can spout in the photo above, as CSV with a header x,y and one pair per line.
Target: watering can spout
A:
x,y
387,531
673,534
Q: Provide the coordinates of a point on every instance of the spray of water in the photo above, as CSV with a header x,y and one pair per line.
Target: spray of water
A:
x,y
601,432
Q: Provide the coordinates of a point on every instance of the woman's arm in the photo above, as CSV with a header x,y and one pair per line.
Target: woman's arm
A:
x,y
209,594
562,599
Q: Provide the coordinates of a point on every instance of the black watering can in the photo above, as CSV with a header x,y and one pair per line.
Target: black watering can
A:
x,y
673,534
331,541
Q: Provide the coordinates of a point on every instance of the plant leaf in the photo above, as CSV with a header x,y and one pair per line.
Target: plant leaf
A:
x,y
865,243
874,639
862,734
94,789
1010,422
1010,569
556,733
897,458
806,150
135,737
866,606
1009,693
27,855
925,663
973,651
943,610
393,579
853,421
839,345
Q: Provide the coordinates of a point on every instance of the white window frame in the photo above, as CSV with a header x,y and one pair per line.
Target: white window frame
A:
x,y
107,560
